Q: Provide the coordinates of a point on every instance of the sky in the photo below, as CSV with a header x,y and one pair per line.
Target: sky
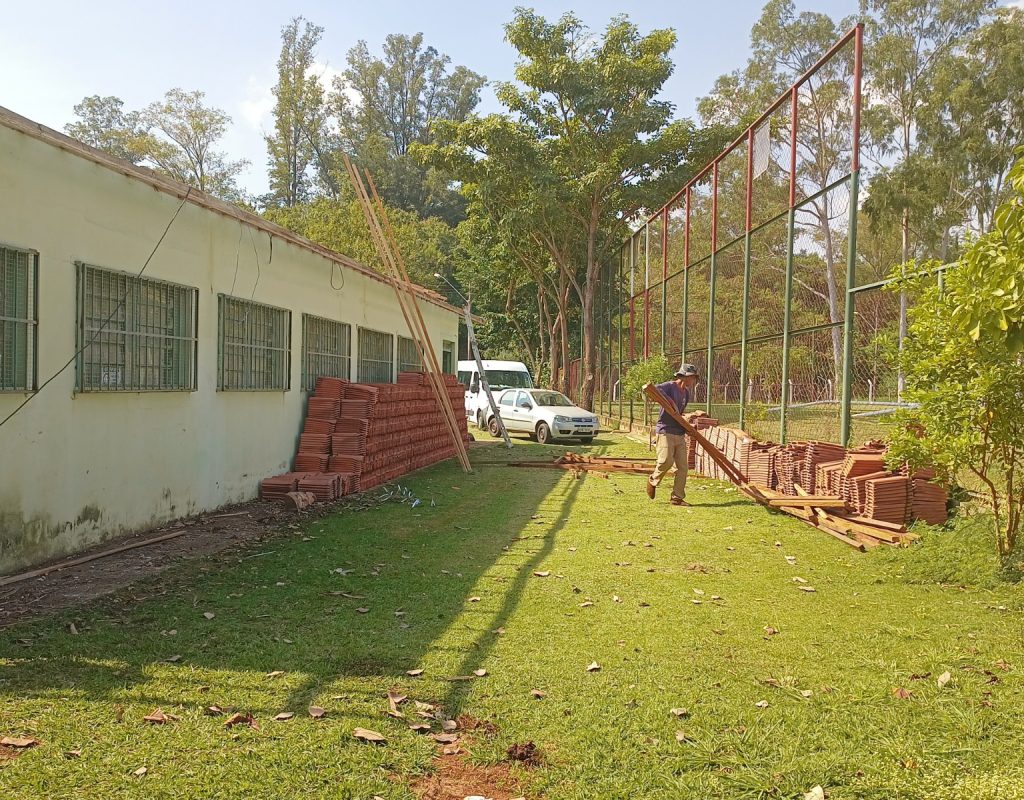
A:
x,y
59,51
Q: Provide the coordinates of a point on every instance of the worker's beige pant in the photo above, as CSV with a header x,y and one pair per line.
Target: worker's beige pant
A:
x,y
671,449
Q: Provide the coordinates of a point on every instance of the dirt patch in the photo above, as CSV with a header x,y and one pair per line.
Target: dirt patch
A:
x,y
228,529
526,753
455,779
467,722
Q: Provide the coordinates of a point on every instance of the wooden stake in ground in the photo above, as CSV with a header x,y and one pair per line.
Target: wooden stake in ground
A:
x,y
390,257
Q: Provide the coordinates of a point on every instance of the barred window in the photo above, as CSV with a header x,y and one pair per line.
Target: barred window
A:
x,y
448,357
135,334
326,349
408,356
19,270
254,346
376,357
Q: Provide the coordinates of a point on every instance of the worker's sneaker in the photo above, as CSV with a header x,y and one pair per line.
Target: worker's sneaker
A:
x,y
678,501
650,489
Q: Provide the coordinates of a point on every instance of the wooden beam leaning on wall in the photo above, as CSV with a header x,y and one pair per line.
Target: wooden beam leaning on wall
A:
x,y
397,276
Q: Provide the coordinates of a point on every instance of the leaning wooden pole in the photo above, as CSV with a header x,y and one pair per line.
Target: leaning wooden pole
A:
x,y
421,336
406,303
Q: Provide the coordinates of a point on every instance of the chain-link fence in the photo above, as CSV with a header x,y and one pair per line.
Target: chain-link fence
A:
x,y
751,273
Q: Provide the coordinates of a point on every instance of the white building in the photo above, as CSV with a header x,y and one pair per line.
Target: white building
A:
x,y
184,385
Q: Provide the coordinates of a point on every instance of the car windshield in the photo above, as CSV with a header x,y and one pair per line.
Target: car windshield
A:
x,y
551,399
508,379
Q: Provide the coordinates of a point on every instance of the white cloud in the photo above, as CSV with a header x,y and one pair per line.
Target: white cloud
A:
x,y
258,103
1016,4
325,73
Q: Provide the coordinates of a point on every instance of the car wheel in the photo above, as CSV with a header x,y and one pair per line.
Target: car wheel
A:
x,y
543,433
493,428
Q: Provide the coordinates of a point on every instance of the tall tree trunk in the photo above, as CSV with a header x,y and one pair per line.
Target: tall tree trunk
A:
x,y
588,368
832,290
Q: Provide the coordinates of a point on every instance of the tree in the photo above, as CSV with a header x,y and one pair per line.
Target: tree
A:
x,y
104,124
909,42
385,105
971,331
186,134
584,146
300,115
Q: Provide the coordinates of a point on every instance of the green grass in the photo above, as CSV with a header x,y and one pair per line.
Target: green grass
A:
x,y
875,622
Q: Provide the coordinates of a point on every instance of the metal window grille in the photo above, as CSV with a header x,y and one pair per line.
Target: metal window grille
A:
x,y
254,346
18,319
376,357
135,334
408,356
448,357
326,349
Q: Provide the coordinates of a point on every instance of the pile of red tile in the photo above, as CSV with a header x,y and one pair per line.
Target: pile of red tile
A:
x,y
858,476
357,436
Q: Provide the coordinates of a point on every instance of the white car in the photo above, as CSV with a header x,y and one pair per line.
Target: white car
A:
x,y
544,414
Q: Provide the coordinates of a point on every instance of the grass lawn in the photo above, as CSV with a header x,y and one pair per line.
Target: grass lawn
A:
x,y
684,603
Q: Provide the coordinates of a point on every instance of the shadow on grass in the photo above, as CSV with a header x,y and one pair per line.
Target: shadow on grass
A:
x,y
281,607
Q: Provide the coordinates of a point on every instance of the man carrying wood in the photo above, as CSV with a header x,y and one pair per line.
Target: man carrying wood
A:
x,y
671,447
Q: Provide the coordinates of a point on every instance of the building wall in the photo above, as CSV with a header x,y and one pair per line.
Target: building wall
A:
x,y
76,469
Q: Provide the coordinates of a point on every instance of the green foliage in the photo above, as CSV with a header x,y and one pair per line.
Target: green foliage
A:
x,y
655,369
426,245
964,365
177,136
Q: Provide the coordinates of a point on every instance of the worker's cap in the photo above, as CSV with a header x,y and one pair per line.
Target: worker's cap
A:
x,y
686,370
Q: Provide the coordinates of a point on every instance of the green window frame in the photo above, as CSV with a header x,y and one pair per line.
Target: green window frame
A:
x,y
448,357
326,349
376,356
134,334
19,318
408,356
254,343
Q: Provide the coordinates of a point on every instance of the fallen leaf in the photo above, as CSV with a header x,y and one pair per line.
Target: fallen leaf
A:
x,y
158,717
616,598
586,604
499,631
537,694
761,704
682,737
798,579
696,602
474,599
172,659
449,725
419,727
72,629
541,574
944,678
213,711
284,716
362,610
445,738
770,631
316,712
902,694
806,694
414,673
366,735
790,559
1000,664
19,741
480,673
817,793
275,673
452,750
239,718
73,754
682,713
593,667
209,614
699,592
140,772
806,588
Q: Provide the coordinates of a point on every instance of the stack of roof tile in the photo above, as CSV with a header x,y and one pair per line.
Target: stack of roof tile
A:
x,y
357,436
888,499
827,477
815,454
929,499
855,465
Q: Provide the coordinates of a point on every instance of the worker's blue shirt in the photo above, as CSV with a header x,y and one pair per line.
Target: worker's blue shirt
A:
x,y
678,396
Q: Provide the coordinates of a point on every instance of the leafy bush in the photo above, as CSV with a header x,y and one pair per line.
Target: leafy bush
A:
x,y
963,362
655,369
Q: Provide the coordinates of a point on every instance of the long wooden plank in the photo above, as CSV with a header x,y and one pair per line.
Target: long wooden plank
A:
x,y
724,463
808,502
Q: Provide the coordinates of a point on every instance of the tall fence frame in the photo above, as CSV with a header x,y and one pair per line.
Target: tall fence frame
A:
x,y
685,283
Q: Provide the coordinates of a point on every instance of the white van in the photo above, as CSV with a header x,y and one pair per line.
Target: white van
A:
x,y
501,375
